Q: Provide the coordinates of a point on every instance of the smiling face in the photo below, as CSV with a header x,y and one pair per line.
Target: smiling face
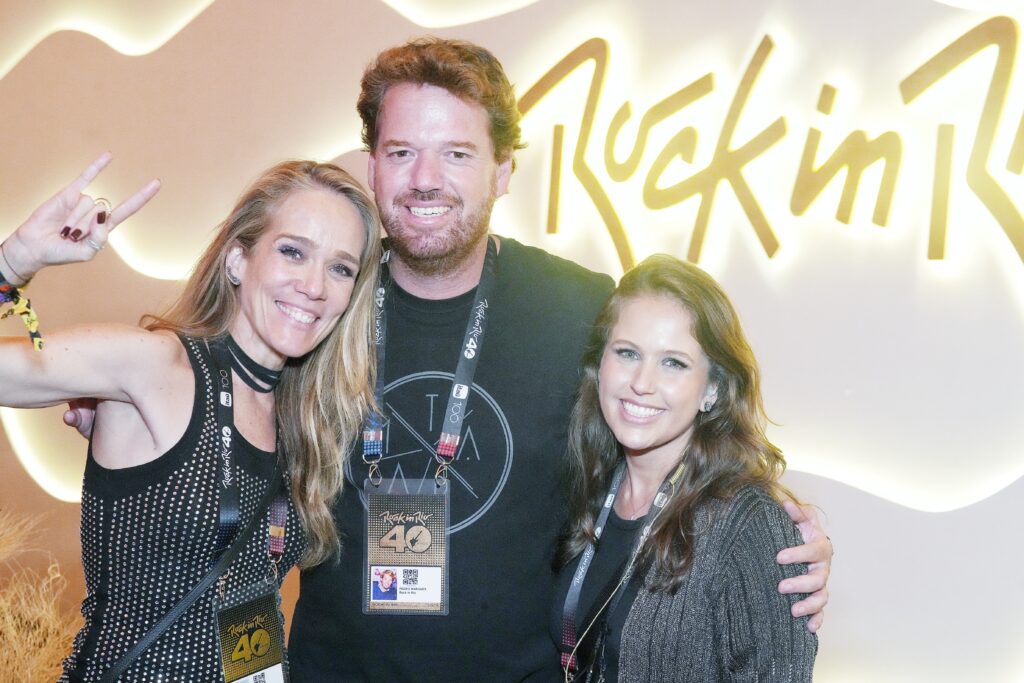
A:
x,y
653,379
434,176
297,279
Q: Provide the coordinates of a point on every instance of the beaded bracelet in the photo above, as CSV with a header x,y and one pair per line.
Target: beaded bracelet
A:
x,y
21,307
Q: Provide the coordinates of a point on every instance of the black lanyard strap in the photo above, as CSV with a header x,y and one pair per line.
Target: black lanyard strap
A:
x,y
228,515
465,370
373,430
570,609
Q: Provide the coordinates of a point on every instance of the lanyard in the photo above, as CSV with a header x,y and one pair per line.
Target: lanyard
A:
x,y
465,370
572,598
229,515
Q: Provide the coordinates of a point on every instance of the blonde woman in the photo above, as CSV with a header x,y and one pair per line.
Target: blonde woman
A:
x,y
257,379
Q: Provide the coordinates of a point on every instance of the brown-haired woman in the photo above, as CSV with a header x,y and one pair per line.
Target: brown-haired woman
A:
x,y
260,374
668,566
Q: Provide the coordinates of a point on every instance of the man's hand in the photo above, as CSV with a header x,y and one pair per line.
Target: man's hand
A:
x,y
816,552
81,414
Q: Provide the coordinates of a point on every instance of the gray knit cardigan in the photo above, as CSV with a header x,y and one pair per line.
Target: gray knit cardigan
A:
x,y
727,622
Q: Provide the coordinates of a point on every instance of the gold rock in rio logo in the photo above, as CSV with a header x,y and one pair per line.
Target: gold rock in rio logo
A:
x,y
416,538
251,645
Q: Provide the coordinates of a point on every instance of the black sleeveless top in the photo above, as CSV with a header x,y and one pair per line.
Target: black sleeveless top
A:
x,y
148,536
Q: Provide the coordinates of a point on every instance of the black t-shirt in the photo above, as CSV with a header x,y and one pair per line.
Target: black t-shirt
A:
x,y
507,503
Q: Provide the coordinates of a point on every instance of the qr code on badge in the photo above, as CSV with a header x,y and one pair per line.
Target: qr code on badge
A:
x,y
410,577
259,678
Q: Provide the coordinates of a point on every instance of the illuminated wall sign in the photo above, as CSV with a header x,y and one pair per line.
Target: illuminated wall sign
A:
x,y
817,167
818,193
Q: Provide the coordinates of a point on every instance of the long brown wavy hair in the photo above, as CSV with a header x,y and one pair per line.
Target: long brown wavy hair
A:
x,y
728,448
323,397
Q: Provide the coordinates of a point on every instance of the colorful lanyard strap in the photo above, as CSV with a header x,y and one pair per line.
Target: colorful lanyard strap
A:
x,y
229,511
21,307
570,638
465,370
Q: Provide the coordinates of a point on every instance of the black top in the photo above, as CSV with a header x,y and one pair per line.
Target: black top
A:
x,y
727,621
610,558
507,502
148,537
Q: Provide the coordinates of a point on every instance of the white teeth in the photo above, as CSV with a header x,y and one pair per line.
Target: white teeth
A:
x,y
640,411
295,314
428,211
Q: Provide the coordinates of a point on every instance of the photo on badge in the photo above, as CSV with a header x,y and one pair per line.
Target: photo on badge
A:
x,y
385,584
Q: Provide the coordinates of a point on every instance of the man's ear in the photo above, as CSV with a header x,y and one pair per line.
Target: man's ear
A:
x,y
371,173
504,177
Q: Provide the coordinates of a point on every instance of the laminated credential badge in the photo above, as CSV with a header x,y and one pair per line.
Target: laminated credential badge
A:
x,y
405,560
251,637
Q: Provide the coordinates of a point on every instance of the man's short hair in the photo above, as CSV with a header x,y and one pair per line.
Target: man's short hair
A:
x,y
467,71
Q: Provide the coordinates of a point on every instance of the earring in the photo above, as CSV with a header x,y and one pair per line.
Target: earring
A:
x,y
232,278
707,405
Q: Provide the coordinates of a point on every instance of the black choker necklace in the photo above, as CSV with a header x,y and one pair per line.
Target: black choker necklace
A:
x,y
257,377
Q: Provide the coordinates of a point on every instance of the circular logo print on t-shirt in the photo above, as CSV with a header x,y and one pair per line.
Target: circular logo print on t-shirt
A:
x,y
414,407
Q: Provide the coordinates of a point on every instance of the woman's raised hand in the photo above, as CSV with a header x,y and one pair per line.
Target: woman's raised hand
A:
x,y
68,227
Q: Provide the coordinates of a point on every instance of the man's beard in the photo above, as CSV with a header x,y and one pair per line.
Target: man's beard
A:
x,y
444,251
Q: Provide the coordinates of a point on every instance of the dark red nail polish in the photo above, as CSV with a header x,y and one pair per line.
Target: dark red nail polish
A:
x,y
76,234
65,232
101,217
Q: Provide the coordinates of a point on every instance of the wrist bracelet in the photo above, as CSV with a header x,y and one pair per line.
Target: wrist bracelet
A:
x,y
22,307
3,252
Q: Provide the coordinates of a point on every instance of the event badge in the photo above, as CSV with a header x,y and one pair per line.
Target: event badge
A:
x,y
251,637
405,559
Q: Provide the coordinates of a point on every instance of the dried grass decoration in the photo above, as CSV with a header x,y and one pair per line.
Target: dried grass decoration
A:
x,y
35,633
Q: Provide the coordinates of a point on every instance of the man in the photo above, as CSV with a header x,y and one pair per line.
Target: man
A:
x,y
441,124
384,587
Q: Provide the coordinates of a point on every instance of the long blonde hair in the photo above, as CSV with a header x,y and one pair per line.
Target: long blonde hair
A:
x,y
323,397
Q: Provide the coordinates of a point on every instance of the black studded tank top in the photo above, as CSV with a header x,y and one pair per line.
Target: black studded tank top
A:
x,y
149,535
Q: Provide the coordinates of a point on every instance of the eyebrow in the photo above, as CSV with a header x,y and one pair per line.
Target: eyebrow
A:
x,y
305,241
461,143
466,144
670,352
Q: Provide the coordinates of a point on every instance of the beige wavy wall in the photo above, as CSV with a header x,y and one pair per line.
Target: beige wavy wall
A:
x,y
894,378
